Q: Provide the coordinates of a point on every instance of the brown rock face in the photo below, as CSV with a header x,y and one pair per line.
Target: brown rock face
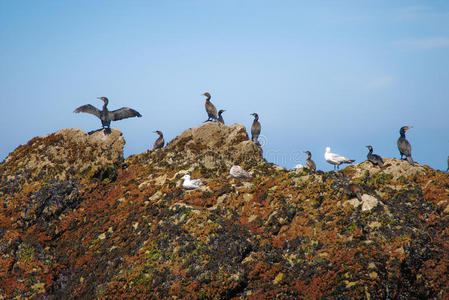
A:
x,y
276,235
67,151
393,167
211,146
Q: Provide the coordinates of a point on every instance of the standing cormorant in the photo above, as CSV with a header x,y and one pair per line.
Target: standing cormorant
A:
x,y
210,109
374,158
159,143
405,149
107,116
335,159
255,129
220,118
310,164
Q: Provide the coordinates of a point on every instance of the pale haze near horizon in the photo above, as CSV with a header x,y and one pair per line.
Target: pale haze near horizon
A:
x,y
319,74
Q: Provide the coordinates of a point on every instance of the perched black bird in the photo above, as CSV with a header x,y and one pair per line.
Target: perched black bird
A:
x,y
159,143
353,190
374,158
210,109
255,128
107,116
447,164
220,118
405,149
310,164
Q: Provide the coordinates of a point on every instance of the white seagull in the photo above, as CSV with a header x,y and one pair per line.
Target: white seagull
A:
x,y
238,172
335,159
191,184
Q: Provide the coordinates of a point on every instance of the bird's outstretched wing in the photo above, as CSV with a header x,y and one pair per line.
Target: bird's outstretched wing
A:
x,y
123,113
90,109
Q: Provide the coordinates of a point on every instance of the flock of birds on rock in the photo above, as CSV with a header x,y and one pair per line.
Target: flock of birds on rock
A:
x,y
238,172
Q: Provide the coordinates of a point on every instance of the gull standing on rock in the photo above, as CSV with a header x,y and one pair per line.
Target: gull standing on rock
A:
x,y
310,164
210,109
159,143
374,158
191,184
107,116
220,118
405,149
336,159
238,172
255,129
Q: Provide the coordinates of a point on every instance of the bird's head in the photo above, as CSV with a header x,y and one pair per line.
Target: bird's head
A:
x,y
405,128
186,177
207,95
104,99
221,111
328,149
369,147
307,152
158,132
255,115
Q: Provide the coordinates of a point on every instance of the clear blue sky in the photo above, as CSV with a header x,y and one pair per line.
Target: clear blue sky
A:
x,y
343,74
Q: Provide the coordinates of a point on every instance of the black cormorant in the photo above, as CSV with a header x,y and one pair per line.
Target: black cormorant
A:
x,y
107,116
353,190
374,158
310,164
159,143
210,109
255,128
405,149
220,118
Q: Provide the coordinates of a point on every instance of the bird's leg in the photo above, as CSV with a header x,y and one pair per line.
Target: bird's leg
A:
x,y
93,131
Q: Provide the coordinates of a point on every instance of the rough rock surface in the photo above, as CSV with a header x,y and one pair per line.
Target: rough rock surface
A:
x,y
211,147
66,151
280,234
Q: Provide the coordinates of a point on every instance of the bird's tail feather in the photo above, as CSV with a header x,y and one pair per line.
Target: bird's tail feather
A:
x,y
410,160
349,161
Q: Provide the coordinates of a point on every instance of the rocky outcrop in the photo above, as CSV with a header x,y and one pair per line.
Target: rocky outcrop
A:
x,y
211,147
393,167
68,152
278,234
